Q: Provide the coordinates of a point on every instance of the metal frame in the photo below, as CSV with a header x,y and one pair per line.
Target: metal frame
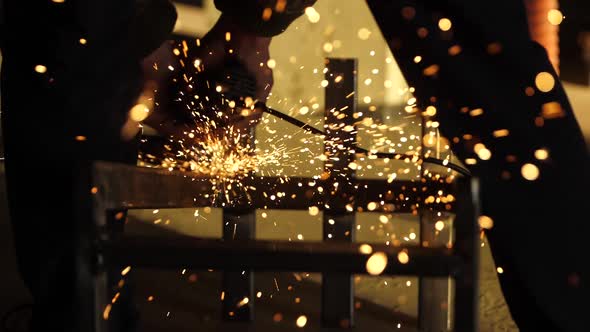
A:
x,y
105,187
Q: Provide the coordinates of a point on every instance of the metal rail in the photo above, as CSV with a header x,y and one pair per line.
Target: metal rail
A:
x,y
339,257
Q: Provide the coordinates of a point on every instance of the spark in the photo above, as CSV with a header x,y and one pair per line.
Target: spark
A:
x,y
541,154
312,15
126,270
364,33
445,24
485,222
403,257
376,263
439,225
41,69
529,172
555,17
365,249
301,321
544,81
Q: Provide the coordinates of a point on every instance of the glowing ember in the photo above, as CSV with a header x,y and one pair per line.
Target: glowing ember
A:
x,y
40,69
485,222
403,257
439,225
139,112
445,24
301,321
530,172
544,81
364,33
376,264
365,249
541,154
312,15
314,210
555,17
126,270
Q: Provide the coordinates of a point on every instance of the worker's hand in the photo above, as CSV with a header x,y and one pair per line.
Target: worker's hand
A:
x,y
226,42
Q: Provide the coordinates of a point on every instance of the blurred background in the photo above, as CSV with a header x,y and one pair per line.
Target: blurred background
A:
x,y
342,29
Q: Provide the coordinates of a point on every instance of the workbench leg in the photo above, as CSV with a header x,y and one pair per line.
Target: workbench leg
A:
x,y
238,286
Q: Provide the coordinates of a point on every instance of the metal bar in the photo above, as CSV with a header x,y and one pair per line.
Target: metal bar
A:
x,y
339,217
238,285
341,257
434,294
238,282
89,278
467,247
129,187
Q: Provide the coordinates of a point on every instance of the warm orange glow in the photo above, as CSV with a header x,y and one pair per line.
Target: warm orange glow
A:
x,y
364,33
41,69
431,70
376,264
544,81
126,270
555,17
476,112
266,14
454,50
445,24
530,172
314,210
301,321
312,15
107,311
501,132
365,249
277,317
430,111
403,257
485,222
552,110
139,112
541,154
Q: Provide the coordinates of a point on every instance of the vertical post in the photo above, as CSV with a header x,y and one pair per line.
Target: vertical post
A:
x,y
238,286
339,217
467,247
89,290
435,300
435,295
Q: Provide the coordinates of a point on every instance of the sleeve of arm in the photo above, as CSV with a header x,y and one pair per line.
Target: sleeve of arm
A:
x,y
481,76
263,17
152,24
